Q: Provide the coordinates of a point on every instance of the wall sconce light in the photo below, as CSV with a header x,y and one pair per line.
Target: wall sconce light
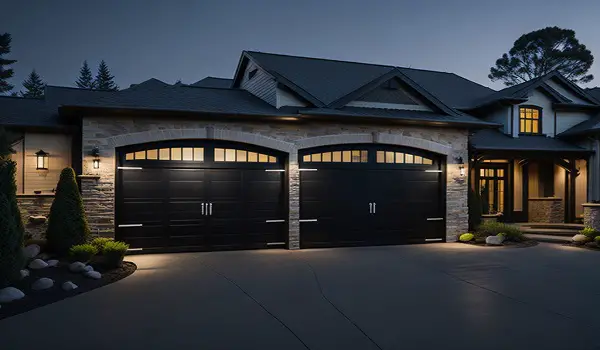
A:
x,y
461,165
42,160
96,154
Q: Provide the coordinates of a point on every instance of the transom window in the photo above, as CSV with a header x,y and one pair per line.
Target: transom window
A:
x,y
529,120
243,156
194,154
349,156
401,158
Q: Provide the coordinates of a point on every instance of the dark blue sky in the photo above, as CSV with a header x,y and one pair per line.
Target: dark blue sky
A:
x,y
189,40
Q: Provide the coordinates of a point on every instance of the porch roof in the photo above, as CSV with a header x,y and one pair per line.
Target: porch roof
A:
x,y
494,140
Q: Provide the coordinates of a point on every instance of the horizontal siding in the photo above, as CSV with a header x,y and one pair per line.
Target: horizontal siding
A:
x,y
287,98
566,120
262,85
566,93
59,149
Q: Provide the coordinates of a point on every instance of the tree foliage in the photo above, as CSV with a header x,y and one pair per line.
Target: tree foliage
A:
x,y
104,80
86,79
5,73
8,185
67,223
543,51
34,86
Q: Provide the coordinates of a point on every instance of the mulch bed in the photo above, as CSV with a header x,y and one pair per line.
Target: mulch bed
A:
x,y
507,244
584,246
60,274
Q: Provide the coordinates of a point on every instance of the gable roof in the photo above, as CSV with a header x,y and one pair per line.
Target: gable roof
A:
x,y
594,92
148,84
589,126
213,82
494,140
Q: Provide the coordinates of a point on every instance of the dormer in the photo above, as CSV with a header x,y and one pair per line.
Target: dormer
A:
x,y
391,95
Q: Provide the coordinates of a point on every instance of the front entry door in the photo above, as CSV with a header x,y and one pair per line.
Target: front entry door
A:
x,y
492,189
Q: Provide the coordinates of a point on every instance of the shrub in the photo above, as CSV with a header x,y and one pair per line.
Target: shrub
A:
x,y
466,237
11,253
99,243
113,252
597,240
82,252
491,228
67,224
589,232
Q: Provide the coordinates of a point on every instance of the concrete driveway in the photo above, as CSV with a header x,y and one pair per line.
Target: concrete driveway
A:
x,y
438,296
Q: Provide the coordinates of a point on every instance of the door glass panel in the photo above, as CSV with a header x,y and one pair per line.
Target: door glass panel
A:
x,y
389,157
175,153
380,157
129,156
199,154
418,160
364,156
164,154
316,157
337,156
219,154
263,158
241,156
327,157
399,157
152,154
140,155
187,153
272,159
230,155
427,161
306,158
252,157
355,156
346,156
409,159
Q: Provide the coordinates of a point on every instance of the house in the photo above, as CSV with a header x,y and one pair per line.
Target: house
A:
x,y
304,152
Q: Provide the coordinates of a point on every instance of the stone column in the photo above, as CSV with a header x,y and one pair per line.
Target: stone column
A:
x,y
591,215
546,210
294,205
98,201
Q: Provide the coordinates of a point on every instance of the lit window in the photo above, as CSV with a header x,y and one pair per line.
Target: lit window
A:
x,y
188,153
140,155
529,120
152,154
219,154
129,156
354,156
199,154
241,156
252,157
401,158
164,154
175,153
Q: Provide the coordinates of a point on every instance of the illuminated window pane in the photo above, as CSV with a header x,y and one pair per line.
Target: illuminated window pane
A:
x,y
307,158
355,156
500,172
129,156
188,153
164,154
389,157
380,157
199,154
242,156
263,158
140,155
410,159
481,172
346,156
399,157
337,156
316,157
535,114
272,159
326,157
230,155
418,160
175,153
252,157
364,156
219,154
522,129
535,126
152,154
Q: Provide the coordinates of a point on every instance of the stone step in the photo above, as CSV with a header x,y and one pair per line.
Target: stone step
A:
x,y
548,238
550,232
552,226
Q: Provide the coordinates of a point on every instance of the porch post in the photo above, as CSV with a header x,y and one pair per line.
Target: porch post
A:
x,y
572,191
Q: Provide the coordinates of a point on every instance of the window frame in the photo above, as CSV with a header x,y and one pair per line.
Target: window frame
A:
x,y
539,120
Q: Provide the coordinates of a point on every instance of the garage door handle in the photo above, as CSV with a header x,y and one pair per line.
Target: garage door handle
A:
x,y
370,208
202,208
374,208
210,209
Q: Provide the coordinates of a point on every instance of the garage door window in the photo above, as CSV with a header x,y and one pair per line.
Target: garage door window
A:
x,y
242,156
194,154
401,158
349,156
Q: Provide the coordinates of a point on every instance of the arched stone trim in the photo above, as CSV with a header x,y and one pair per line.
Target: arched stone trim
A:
x,y
392,139
203,133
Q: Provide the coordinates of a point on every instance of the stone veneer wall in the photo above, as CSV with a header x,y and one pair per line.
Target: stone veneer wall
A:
x,y
591,215
32,205
547,210
106,133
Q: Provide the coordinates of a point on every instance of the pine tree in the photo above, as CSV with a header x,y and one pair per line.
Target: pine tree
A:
x,y
67,224
8,186
104,80
5,73
34,86
85,80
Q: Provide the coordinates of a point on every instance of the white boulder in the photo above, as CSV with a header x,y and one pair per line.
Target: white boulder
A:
x,y
67,286
580,239
52,263
24,273
494,240
31,251
88,268
37,264
9,294
42,283
93,275
77,267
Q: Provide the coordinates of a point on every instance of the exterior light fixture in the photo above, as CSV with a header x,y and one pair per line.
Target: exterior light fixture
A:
x,y
96,154
42,160
461,165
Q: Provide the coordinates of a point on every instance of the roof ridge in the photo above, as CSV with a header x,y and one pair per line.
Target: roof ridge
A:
x,y
210,87
22,98
208,76
322,59
75,88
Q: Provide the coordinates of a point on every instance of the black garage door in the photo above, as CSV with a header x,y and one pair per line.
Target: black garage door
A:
x,y
370,195
205,195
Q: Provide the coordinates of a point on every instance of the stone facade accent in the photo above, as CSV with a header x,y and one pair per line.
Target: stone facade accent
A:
x,y
34,205
546,209
109,133
591,215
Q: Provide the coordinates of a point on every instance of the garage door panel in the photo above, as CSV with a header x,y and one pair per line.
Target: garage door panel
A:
x,y
187,189
152,230
141,212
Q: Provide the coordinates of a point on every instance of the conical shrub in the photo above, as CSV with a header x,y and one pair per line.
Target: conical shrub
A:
x,y
67,224
11,244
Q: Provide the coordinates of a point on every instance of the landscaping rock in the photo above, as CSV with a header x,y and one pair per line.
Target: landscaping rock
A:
x,y
494,240
580,239
67,286
9,294
76,267
37,219
93,275
52,263
24,273
88,268
42,283
37,264
44,256
31,251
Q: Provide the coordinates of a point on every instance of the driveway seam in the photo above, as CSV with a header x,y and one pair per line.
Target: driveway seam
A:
x,y
210,267
316,277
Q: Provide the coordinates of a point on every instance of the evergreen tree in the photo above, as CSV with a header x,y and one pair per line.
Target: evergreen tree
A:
x,y
5,73
67,224
34,86
104,80
85,80
8,185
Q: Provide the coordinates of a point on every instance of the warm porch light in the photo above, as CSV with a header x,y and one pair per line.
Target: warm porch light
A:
x,y
461,165
42,160
96,155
